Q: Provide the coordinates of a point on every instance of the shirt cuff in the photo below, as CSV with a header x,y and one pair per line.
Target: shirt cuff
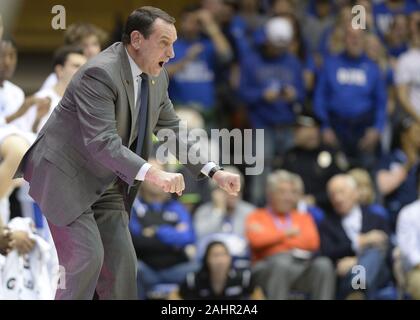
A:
x,y
355,245
207,168
143,171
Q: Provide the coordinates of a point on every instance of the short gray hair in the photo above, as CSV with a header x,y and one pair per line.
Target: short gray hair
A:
x,y
350,181
279,176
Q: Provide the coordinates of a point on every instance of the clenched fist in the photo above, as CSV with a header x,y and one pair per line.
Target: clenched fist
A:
x,y
167,181
230,182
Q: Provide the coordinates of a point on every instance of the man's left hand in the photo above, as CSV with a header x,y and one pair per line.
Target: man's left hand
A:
x,y
227,181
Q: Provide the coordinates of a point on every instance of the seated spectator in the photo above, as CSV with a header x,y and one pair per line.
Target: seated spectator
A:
x,y
13,104
408,239
396,175
11,96
85,35
352,235
407,71
367,192
67,60
224,214
314,162
284,243
218,279
350,100
163,238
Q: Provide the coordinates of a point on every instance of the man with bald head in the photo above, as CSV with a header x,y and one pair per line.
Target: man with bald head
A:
x,y
354,236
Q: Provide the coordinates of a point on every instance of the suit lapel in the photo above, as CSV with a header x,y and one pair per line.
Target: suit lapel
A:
x,y
127,79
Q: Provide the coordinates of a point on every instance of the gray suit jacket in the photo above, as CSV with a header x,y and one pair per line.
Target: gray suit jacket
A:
x,y
86,145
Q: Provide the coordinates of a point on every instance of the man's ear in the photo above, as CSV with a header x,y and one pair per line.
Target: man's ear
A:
x,y
58,70
135,39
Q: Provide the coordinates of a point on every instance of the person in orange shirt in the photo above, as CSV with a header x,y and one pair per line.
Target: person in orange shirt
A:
x,y
284,243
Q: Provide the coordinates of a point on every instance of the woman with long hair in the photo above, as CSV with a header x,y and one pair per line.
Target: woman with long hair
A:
x,y
218,278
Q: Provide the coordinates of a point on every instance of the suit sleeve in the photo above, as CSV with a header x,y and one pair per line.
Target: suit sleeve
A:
x,y
168,127
331,245
95,99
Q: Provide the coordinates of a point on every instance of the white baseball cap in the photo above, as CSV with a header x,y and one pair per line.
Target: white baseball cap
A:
x,y
279,31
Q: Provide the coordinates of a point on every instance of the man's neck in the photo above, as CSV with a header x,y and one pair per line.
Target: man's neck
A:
x,y
132,53
60,88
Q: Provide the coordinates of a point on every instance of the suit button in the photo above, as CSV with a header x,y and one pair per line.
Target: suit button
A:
x,y
98,192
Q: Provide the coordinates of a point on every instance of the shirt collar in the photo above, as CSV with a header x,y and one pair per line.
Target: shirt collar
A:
x,y
354,215
135,70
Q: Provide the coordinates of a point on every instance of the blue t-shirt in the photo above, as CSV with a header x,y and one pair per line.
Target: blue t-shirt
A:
x,y
195,83
350,87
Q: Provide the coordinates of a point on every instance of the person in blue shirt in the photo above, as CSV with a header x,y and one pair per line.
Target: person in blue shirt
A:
x,y
192,72
350,101
384,13
271,86
397,171
271,78
163,238
396,39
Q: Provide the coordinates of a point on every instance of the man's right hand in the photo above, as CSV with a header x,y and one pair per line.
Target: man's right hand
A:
x,y
376,238
167,181
292,231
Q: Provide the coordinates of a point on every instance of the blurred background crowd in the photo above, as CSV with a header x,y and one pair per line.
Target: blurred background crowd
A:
x,y
336,212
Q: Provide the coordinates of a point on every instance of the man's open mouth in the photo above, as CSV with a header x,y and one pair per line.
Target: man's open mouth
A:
x,y
161,63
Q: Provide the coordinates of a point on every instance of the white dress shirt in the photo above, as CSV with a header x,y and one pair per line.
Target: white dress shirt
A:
x,y
408,234
136,72
352,225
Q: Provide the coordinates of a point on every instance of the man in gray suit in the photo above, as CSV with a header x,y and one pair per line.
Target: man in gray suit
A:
x,y
85,167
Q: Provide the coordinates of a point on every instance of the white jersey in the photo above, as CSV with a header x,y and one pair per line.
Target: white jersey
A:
x,y
11,98
28,119
32,276
408,72
50,82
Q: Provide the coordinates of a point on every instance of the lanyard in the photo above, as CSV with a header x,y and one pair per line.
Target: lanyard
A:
x,y
280,225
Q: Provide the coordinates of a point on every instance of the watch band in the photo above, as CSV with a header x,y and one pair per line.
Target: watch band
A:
x,y
214,170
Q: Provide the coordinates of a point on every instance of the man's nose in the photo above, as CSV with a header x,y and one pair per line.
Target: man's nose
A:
x,y
171,53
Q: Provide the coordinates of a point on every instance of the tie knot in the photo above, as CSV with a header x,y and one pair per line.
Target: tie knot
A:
x,y
143,76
